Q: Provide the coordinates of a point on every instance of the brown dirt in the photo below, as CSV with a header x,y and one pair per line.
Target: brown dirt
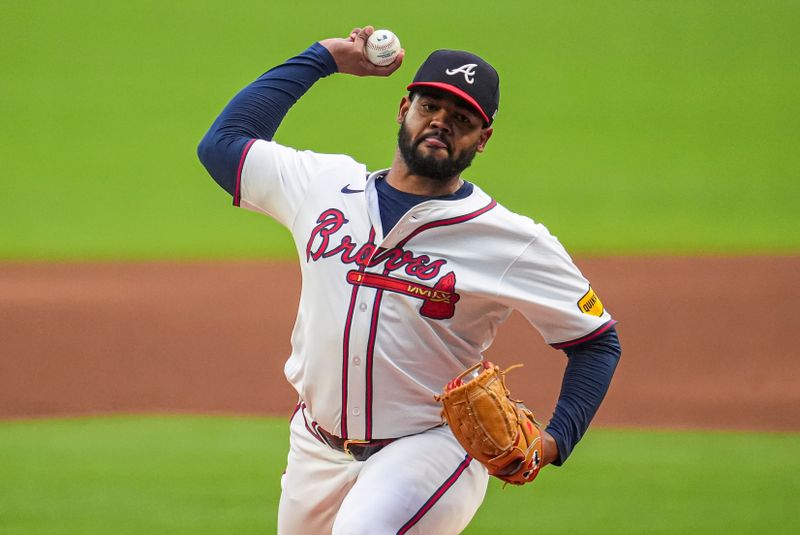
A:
x,y
706,341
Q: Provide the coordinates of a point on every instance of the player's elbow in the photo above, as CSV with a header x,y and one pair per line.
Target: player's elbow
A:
x,y
205,150
210,156
220,158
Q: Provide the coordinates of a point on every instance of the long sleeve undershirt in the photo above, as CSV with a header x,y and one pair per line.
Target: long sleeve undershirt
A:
x,y
588,374
257,111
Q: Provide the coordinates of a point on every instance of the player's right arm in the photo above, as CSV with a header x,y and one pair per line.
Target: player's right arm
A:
x,y
257,110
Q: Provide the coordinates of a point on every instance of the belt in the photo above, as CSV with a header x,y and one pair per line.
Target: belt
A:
x,y
360,450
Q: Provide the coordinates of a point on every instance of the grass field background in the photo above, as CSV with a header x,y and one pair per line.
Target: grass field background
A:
x,y
626,126
222,475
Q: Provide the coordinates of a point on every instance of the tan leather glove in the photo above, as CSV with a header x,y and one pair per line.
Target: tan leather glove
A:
x,y
493,428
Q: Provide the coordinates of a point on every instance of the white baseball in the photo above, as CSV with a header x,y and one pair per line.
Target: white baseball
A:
x,y
382,47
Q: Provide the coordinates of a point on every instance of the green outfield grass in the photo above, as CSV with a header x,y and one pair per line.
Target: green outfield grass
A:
x,y
221,475
626,126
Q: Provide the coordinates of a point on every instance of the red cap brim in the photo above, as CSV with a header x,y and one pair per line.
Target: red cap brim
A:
x,y
454,90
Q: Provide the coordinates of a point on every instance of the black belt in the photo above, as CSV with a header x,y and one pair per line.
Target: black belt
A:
x,y
360,450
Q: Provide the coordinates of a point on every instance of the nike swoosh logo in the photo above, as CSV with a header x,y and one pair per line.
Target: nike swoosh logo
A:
x,y
347,189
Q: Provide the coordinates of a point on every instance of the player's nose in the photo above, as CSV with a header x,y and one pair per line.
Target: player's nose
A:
x,y
441,120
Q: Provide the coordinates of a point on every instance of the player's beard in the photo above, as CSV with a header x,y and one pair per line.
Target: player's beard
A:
x,y
441,169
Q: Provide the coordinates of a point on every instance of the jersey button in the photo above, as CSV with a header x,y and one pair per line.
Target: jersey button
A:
x,y
357,361
362,307
356,411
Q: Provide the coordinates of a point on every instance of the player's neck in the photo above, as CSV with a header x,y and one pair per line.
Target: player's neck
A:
x,y
401,178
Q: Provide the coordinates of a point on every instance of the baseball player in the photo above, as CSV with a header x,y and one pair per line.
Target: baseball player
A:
x,y
407,272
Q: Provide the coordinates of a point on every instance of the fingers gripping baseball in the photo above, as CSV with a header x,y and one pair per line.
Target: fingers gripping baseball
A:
x,y
351,57
354,34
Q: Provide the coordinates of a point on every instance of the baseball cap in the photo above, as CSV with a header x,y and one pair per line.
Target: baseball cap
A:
x,y
465,75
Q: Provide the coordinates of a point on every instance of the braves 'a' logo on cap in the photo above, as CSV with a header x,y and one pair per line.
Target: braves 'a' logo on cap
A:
x,y
467,70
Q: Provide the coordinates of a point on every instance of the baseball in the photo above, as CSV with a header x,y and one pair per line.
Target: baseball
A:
x,y
382,47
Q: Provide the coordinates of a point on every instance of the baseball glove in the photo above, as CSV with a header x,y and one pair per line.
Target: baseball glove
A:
x,y
493,428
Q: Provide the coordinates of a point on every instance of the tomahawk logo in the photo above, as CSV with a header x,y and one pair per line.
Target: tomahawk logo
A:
x,y
438,301
467,70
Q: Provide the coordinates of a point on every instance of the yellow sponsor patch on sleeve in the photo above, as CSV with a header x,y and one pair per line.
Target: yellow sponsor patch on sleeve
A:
x,y
590,304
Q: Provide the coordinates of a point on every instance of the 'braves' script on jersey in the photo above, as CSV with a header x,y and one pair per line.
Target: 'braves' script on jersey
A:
x,y
321,244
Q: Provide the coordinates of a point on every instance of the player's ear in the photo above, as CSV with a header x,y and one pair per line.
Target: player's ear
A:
x,y
486,133
405,104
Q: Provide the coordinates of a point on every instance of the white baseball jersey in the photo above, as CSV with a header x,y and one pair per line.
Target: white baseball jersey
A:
x,y
387,319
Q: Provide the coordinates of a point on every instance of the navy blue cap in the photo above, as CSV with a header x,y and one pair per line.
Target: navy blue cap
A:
x,y
465,75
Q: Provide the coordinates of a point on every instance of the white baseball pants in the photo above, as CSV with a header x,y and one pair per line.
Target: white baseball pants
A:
x,y
421,484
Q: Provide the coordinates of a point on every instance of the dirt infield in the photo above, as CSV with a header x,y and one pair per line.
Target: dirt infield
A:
x,y
706,341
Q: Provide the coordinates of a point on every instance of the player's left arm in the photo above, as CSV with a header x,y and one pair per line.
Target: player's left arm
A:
x,y
587,377
548,289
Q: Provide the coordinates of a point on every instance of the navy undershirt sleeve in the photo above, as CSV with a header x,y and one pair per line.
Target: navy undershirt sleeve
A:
x,y
586,379
257,111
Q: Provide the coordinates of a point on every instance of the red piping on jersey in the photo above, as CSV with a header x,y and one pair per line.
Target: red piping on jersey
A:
x,y
373,329
346,347
436,496
594,334
450,221
237,196
296,408
313,427
346,357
